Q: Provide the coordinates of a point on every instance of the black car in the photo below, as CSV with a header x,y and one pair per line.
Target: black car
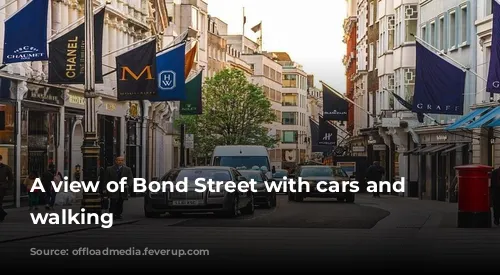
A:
x,y
224,203
278,176
262,197
313,174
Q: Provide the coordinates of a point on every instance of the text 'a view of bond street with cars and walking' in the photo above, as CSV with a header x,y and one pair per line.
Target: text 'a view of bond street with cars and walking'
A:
x,y
210,134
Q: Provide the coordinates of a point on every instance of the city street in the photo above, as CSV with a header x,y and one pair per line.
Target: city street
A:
x,y
379,233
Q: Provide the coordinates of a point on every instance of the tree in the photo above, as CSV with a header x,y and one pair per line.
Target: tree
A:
x,y
234,113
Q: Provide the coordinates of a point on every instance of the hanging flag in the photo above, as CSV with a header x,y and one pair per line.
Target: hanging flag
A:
x,y
25,35
136,73
314,126
493,82
439,85
67,54
327,133
189,63
257,27
193,103
334,107
170,74
407,105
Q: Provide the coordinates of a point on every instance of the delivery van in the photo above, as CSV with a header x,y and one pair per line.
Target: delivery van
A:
x,y
242,157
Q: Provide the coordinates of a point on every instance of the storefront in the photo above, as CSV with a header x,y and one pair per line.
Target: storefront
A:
x,y
73,137
111,129
8,133
40,128
133,142
439,152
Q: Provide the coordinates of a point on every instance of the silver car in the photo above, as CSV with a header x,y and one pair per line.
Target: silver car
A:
x,y
223,203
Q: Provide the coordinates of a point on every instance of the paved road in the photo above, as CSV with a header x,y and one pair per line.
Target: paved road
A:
x,y
294,236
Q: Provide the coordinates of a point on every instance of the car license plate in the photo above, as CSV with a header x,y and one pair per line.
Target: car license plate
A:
x,y
187,202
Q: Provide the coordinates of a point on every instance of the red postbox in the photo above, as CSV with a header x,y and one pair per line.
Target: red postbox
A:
x,y
474,196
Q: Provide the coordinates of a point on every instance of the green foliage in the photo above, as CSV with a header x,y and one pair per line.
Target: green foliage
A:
x,y
234,112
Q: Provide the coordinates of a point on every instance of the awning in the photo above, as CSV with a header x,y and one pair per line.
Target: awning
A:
x,y
434,149
466,119
409,152
458,146
484,121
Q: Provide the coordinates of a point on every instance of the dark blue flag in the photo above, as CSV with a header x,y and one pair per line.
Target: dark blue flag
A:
x,y
170,74
439,85
408,106
493,82
334,107
25,37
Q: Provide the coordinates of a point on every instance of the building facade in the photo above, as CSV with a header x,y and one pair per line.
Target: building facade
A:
x,y
44,122
350,38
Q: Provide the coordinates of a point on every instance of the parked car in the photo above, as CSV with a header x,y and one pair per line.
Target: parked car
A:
x,y
314,174
278,176
262,197
222,203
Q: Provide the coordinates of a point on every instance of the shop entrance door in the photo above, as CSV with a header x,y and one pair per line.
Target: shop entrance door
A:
x,y
441,178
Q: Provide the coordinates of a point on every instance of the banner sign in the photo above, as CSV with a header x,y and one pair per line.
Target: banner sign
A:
x,y
25,35
193,103
135,73
170,75
439,85
493,82
67,54
327,133
315,138
334,107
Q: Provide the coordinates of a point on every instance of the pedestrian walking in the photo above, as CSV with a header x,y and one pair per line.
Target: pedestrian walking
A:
x,y
375,173
495,195
50,194
6,180
115,173
33,197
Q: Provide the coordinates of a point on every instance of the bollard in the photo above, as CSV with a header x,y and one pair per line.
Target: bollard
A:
x,y
473,196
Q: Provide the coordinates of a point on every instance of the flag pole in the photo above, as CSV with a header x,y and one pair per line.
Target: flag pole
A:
x,y
129,45
91,201
347,99
8,4
243,32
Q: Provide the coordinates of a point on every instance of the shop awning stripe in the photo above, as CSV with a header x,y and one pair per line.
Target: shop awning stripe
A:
x,y
464,120
485,119
453,148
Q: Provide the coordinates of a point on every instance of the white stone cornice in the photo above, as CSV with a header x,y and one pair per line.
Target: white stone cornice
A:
x,y
22,89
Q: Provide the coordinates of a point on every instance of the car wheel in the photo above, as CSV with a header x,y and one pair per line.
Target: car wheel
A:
x,y
249,209
274,201
151,215
350,198
299,197
269,201
233,210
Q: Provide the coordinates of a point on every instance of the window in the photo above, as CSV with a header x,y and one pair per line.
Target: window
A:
x,y
371,54
432,34
289,81
406,23
424,33
489,9
289,118
464,20
289,137
266,71
452,30
265,89
289,99
194,18
372,12
442,34
390,32
278,77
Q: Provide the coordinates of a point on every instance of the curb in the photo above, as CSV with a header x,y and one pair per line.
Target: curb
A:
x,y
65,232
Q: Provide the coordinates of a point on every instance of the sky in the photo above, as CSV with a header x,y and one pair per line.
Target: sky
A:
x,y
311,32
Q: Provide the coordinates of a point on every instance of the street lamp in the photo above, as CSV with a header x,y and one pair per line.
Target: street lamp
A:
x,y
90,149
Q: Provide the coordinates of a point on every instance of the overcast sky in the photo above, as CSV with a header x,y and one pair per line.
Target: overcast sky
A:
x,y
310,31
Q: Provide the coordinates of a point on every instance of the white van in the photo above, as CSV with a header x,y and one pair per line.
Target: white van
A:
x,y
242,157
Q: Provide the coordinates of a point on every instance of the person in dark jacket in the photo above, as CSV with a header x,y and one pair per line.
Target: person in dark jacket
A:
x,y
50,194
375,173
6,180
495,195
116,173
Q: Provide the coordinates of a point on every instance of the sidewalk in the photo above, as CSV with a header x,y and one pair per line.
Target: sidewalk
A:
x,y
18,224
412,213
